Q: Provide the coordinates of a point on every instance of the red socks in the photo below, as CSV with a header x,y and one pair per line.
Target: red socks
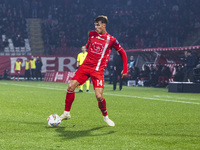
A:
x,y
102,107
70,96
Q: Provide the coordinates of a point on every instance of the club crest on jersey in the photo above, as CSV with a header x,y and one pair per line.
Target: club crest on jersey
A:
x,y
97,48
98,37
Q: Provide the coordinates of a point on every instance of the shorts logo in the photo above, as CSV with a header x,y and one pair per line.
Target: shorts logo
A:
x,y
99,83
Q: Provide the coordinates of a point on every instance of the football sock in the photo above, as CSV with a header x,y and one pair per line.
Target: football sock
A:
x,y
102,107
87,84
70,96
81,87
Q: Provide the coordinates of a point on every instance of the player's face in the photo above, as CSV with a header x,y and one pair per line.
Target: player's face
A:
x,y
100,27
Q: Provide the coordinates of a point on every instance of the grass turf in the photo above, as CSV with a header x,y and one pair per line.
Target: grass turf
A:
x,y
145,118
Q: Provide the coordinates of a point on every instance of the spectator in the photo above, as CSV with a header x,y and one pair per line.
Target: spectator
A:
x,y
27,69
179,75
131,62
6,75
190,65
39,65
134,73
18,66
118,67
145,73
153,81
163,79
33,67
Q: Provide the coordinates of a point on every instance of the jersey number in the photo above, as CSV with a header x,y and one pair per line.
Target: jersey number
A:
x,y
99,82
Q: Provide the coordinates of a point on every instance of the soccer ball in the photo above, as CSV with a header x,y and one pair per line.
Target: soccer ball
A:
x,y
53,120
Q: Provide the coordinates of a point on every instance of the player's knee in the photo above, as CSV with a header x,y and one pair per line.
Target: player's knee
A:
x,y
99,97
70,87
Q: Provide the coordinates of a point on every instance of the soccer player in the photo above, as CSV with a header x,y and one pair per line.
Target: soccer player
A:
x,y
18,66
81,57
27,69
33,67
99,47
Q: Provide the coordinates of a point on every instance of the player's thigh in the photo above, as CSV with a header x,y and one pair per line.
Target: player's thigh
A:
x,y
81,75
97,79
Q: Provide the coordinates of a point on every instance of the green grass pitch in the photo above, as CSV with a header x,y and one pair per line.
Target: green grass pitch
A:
x,y
145,118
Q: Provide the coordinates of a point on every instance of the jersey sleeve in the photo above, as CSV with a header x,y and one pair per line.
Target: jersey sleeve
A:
x,y
122,53
88,42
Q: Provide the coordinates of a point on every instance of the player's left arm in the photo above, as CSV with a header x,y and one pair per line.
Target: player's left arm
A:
x,y
122,53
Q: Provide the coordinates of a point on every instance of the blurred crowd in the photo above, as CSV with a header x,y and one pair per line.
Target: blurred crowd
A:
x,y
157,75
135,23
12,23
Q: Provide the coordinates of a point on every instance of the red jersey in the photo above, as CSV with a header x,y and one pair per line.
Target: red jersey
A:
x,y
99,48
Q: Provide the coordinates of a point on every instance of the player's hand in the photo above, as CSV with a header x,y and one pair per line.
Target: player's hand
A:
x,y
124,75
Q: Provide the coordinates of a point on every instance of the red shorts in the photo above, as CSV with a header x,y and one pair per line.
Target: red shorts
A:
x,y
17,71
82,74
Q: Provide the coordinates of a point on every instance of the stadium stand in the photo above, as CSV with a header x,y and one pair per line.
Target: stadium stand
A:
x,y
66,23
145,25
13,30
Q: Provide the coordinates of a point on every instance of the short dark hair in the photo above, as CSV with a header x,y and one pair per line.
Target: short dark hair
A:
x,y
103,19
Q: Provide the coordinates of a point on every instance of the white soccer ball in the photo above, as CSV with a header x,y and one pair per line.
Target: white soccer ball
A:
x,y
53,120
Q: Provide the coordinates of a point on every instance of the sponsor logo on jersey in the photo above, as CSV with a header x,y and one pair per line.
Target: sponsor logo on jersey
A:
x,y
98,37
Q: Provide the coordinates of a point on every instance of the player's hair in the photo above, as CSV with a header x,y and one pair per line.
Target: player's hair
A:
x,y
103,19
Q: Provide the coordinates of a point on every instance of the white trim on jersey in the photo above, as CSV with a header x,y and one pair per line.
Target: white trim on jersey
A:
x,y
104,50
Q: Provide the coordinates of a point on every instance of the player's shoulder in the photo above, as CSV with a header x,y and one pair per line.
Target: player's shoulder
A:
x,y
112,38
93,33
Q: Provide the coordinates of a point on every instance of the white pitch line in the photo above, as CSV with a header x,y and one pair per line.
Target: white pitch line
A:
x,y
139,97
182,98
156,99
35,87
